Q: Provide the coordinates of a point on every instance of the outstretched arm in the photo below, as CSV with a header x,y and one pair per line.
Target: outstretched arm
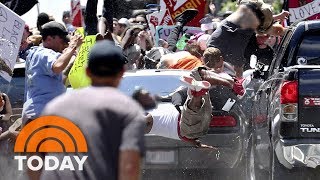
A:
x,y
281,16
215,79
61,63
197,143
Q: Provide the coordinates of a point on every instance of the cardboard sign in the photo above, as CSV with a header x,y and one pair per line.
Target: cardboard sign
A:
x,y
77,75
157,19
170,9
303,10
163,32
11,31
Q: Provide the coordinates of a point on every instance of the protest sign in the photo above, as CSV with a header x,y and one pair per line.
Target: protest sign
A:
x,y
308,10
176,7
163,32
77,75
155,19
11,31
170,9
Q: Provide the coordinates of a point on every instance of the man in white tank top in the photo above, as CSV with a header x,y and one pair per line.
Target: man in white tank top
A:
x,y
164,120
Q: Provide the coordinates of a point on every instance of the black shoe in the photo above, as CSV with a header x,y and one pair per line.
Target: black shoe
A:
x,y
186,16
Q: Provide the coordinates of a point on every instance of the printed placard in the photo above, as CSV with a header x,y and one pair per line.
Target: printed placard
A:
x,y
11,31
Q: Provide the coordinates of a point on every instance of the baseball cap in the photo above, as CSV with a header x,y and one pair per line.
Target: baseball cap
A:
x,y
124,21
106,59
54,28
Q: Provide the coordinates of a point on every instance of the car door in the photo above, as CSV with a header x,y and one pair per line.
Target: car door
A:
x,y
265,103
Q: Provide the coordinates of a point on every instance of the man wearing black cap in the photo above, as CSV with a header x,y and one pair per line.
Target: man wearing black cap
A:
x,y
44,66
112,123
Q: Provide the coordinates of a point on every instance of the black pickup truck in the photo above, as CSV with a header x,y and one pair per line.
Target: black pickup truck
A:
x,y
285,141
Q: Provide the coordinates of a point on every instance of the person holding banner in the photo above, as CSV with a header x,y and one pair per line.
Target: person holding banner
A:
x,y
44,66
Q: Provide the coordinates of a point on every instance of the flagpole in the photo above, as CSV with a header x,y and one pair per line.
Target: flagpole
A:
x,y
38,8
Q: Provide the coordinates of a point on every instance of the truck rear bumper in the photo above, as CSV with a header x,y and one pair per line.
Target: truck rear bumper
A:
x,y
297,155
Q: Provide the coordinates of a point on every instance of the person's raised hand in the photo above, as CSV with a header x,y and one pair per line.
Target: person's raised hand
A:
x,y
281,16
75,41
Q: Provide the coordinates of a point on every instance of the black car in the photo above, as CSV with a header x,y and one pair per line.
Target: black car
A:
x,y
285,143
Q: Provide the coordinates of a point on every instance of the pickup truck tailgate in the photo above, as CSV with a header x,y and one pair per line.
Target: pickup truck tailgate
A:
x,y
309,102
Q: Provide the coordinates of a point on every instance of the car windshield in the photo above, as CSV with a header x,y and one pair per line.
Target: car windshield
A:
x,y
159,84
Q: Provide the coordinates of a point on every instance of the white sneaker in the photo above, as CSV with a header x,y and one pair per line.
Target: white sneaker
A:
x,y
198,88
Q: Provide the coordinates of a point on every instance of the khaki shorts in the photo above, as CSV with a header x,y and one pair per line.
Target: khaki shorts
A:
x,y
194,124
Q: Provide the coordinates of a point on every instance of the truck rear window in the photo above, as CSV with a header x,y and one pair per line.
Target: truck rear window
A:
x,y
309,51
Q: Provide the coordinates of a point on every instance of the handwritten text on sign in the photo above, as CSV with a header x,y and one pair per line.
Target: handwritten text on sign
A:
x,y
305,11
163,32
77,75
11,31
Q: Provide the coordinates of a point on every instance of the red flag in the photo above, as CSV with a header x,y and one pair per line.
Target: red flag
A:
x,y
76,13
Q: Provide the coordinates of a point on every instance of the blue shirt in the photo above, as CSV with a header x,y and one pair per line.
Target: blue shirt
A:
x,y
41,83
70,28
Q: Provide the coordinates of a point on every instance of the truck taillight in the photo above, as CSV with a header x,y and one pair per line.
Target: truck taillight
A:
x,y
289,100
289,92
223,121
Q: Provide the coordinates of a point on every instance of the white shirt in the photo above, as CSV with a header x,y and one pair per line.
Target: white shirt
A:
x,y
165,121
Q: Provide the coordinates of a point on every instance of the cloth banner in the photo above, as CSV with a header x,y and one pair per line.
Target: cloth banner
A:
x,y
302,9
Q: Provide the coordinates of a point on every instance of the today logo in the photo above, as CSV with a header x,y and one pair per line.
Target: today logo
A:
x,y
50,134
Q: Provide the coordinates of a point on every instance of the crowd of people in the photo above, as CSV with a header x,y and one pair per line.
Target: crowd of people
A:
x,y
124,44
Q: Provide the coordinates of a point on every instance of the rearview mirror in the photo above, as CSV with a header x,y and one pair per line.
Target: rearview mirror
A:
x,y
253,61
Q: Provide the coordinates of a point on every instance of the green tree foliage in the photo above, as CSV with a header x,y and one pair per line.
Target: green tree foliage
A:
x,y
228,5
231,5
277,6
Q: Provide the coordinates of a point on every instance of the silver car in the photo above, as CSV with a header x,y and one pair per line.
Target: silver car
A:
x,y
168,158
